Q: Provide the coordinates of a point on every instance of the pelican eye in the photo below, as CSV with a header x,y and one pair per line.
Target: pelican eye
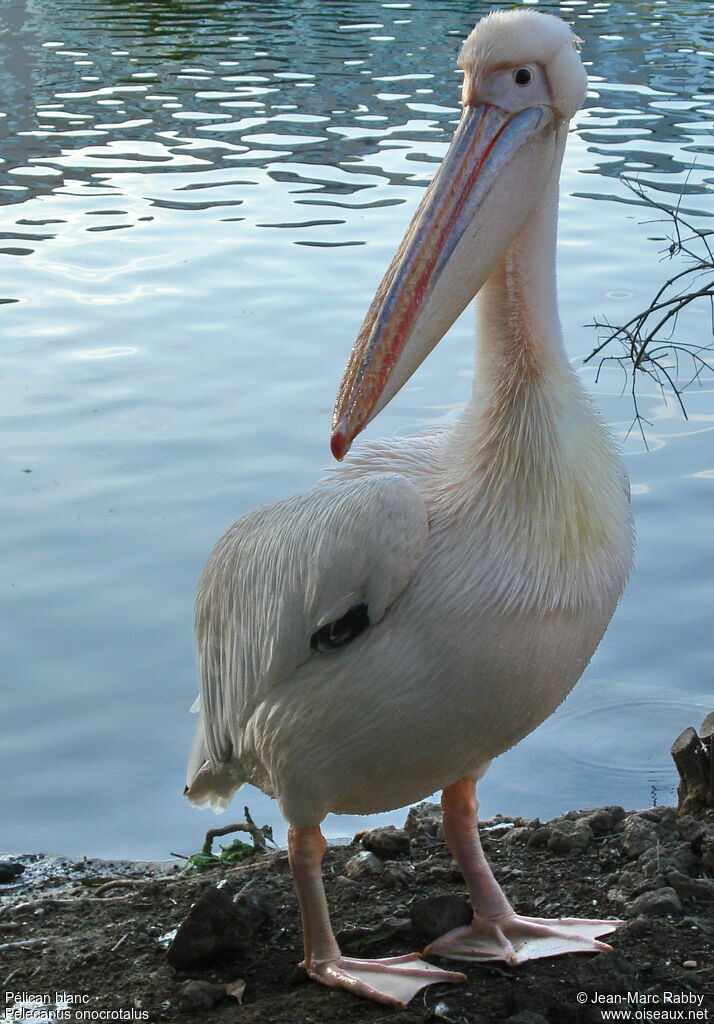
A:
x,y
341,631
523,76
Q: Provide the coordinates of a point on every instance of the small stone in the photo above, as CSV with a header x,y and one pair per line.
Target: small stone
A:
x,y
445,872
256,902
516,836
635,928
637,836
195,996
699,888
569,837
539,837
396,875
363,865
424,819
690,963
9,870
345,884
665,817
657,903
386,842
663,858
691,830
603,819
436,915
707,853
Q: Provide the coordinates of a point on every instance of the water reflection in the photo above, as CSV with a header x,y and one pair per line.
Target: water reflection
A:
x,y
173,180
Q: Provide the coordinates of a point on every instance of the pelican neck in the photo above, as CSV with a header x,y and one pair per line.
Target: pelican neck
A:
x,y
519,336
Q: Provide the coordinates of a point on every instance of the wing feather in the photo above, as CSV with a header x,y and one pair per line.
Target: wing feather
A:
x,y
284,570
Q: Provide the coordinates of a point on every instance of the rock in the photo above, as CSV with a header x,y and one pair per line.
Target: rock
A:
x,y
635,928
637,836
424,819
663,858
707,853
697,888
608,972
633,882
195,996
386,842
450,872
215,927
691,830
363,865
539,836
255,902
657,903
435,915
603,819
665,817
345,884
569,837
396,875
9,870
514,836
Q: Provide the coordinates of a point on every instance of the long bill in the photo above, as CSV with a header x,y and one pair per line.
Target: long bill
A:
x,y
490,180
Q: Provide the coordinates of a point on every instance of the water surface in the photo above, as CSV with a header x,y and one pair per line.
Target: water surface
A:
x,y
198,201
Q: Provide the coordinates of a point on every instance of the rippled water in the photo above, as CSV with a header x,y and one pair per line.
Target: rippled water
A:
x,y
198,200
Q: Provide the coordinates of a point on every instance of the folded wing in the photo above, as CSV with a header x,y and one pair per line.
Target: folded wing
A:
x,y
287,582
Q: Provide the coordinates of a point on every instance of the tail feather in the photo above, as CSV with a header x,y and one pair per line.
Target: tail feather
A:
x,y
207,784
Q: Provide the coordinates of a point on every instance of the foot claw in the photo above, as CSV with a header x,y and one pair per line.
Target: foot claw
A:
x,y
517,939
392,981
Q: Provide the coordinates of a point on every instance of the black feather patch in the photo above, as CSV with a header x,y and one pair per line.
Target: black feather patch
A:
x,y
341,631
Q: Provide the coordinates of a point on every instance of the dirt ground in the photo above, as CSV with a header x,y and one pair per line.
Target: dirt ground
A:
x,y
98,951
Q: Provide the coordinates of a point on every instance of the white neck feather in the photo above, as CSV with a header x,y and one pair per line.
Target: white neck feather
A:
x,y
530,465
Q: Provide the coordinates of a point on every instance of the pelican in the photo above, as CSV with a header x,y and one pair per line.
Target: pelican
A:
x,y
389,632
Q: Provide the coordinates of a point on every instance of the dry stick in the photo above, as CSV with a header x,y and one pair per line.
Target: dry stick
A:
x,y
258,835
52,901
119,883
641,333
116,945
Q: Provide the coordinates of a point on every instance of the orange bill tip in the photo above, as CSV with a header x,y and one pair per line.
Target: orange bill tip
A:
x,y
339,445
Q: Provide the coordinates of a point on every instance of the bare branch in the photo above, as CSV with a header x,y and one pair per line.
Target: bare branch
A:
x,y
647,339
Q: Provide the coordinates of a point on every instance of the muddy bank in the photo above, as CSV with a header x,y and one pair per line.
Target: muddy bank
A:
x,y
91,937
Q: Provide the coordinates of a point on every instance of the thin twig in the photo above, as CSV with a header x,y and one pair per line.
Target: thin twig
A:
x,y
646,349
258,835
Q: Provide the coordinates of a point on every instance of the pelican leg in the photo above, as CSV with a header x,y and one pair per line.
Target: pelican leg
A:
x,y
497,932
393,981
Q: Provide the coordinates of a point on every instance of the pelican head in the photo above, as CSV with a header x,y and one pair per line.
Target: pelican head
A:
x,y
523,81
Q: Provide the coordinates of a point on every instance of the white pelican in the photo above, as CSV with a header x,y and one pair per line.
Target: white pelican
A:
x,y
392,630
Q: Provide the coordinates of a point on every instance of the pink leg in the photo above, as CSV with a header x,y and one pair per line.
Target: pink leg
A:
x,y
497,932
394,980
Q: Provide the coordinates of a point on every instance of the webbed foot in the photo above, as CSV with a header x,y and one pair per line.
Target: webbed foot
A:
x,y
516,939
393,981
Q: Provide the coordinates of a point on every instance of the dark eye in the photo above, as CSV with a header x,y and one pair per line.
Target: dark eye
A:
x,y
522,76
